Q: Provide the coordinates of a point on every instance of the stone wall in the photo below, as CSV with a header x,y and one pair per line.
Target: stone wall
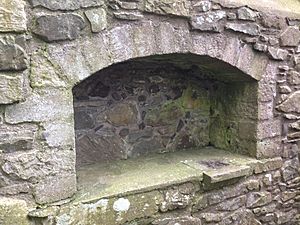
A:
x,y
47,47
137,108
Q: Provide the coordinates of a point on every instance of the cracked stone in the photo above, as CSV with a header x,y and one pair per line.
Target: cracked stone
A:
x,y
203,6
59,27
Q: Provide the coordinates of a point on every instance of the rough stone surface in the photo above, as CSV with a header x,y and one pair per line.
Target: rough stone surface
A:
x,y
11,89
245,13
66,5
97,19
208,21
12,55
168,75
12,16
59,28
13,211
55,188
291,103
290,37
173,7
246,28
17,138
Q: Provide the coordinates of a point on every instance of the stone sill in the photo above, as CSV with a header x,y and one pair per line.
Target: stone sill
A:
x,y
158,171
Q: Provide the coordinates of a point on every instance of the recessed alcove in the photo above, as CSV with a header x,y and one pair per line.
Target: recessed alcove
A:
x,y
163,104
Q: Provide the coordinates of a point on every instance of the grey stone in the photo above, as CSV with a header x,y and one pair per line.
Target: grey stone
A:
x,y
97,19
208,21
246,28
12,55
245,13
256,199
172,7
123,114
284,89
83,120
12,16
260,47
45,73
187,220
139,134
43,105
13,211
59,133
60,27
232,204
11,89
128,15
290,37
291,104
202,6
293,77
99,148
145,147
66,5
278,53
17,137
55,188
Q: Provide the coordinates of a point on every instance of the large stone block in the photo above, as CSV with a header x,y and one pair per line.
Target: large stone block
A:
x,y
66,5
97,19
45,73
43,105
12,16
11,89
60,27
173,7
12,55
17,138
246,28
208,21
55,188
291,104
290,37
13,211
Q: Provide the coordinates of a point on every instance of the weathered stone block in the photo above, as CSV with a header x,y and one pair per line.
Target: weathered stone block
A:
x,y
256,199
290,37
277,53
291,104
128,15
11,89
66,5
13,211
12,16
208,21
293,78
17,138
12,55
246,28
45,73
60,27
42,106
97,19
266,165
245,13
269,129
55,188
173,7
